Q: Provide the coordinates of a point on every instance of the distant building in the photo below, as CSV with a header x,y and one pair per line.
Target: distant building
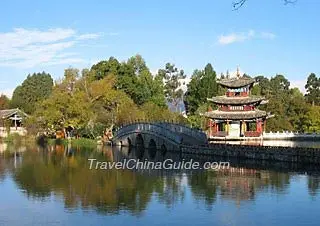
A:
x,y
237,114
11,121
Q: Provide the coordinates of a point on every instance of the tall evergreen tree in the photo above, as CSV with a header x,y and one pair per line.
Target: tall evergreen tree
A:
x,y
172,78
203,85
35,88
313,89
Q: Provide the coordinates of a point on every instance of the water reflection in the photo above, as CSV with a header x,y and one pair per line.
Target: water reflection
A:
x,y
63,171
314,185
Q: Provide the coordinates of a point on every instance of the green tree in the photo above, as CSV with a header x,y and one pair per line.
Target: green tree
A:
x,y
35,88
297,110
313,89
313,119
197,120
4,102
172,78
153,112
279,85
284,103
203,85
104,68
133,77
263,87
112,106
62,110
139,83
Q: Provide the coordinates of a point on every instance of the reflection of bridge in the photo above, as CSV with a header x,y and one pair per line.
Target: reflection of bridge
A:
x,y
158,135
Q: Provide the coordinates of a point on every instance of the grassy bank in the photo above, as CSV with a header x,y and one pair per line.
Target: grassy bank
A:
x,y
84,142
18,140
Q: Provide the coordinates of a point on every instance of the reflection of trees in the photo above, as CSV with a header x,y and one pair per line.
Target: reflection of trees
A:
x,y
169,189
6,164
204,186
64,171
276,181
108,191
237,184
314,185
2,169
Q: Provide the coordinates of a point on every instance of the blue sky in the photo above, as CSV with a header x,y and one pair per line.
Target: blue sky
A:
x,y
262,38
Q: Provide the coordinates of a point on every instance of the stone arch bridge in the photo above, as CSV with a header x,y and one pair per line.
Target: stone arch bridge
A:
x,y
158,135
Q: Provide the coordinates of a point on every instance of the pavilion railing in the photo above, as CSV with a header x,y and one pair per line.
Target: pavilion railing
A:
x,y
219,134
252,134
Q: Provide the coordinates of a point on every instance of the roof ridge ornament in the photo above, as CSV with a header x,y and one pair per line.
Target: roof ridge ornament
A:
x,y
238,72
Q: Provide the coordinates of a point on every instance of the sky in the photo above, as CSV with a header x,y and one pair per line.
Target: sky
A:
x,y
264,37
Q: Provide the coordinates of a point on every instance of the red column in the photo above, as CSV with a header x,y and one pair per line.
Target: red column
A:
x,y
259,126
210,127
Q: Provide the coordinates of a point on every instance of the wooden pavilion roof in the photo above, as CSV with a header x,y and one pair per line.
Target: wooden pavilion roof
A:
x,y
9,112
236,100
236,115
237,82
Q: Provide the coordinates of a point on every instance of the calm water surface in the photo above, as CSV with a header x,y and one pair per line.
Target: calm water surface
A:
x,y
54,186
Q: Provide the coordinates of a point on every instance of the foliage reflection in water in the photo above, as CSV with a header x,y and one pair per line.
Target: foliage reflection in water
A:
x,y
61,175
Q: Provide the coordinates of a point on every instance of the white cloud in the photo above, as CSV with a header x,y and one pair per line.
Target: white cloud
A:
x,y
267,35
30,47
21,37
243,36
89,36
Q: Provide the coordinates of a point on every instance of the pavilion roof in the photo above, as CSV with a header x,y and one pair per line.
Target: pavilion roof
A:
x,y
236,115
236,82
9,112
236,100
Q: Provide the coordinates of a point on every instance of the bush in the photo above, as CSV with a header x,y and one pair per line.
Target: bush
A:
x,y
13,138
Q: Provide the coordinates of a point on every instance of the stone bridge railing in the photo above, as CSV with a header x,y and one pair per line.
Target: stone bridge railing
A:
x,y
191,132
153,128
171,131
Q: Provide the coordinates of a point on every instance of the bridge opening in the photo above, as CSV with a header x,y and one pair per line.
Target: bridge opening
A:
x,y
129,145
152,149
129,142
139,146
163,150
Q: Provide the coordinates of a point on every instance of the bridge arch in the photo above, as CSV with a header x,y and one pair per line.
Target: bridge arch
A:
x,y
152,149
139,146
163,149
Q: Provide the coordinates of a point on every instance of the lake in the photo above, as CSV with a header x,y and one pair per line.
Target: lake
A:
x,y
54,185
